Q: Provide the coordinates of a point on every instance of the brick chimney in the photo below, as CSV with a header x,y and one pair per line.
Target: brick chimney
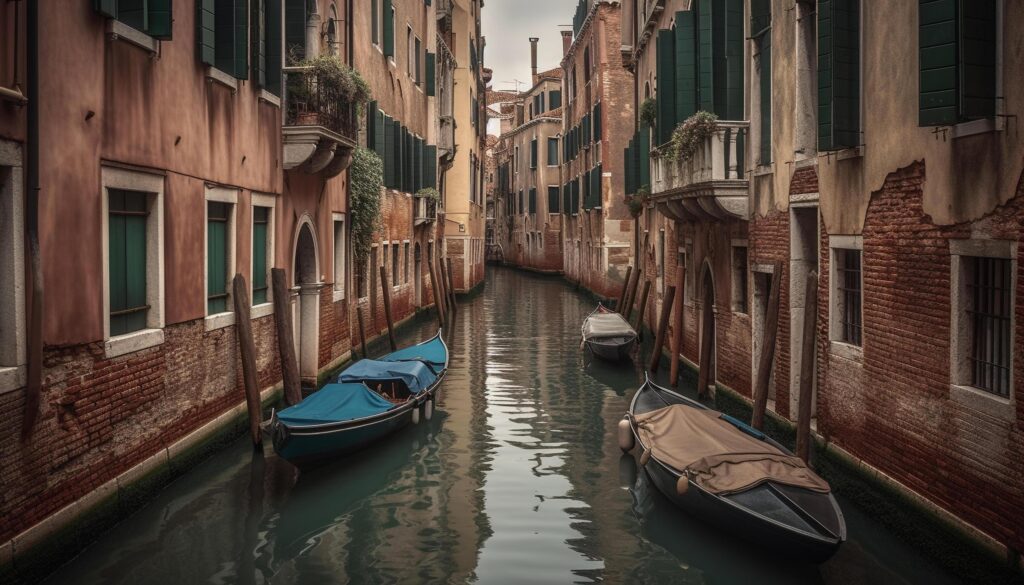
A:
x,y
533,58
566,42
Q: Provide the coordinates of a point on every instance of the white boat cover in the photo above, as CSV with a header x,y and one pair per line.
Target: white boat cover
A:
x,y
600,325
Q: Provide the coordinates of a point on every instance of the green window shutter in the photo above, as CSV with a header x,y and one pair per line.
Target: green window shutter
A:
x,y
575,203
259,42
389,29
396,145
260,222
294,30
241,15
206,35
666,94
401,146
585,130
410,163
825,68
533,153
626,171
389,152
552,199
272,14
937,37
420,165
760,16
705,57
533,200
978,59
597,121
566,197
216,257
734,42
127,261
430,173
132,13
159,19
645,157
107,8
521,201
765,68
686,65
555,99
846,72
375,21
371,121
378,132
431,74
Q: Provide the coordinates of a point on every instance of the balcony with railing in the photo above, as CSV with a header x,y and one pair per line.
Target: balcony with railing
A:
x,y
320,125
710,185
424,209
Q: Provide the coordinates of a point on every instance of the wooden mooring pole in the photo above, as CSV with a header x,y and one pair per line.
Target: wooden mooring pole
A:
x,y
441,288
435,293
386,292
627,306
451,285
362,332
677,327
285,338
767,358
642,306
625,287
247,347
803,421
659,339
706,341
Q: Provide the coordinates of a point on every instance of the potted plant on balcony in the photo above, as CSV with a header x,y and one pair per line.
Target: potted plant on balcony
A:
x,y
637,200
649,112
691,135
326,84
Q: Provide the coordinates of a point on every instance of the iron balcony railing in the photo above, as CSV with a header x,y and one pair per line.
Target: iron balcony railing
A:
x,y
311,102
721,158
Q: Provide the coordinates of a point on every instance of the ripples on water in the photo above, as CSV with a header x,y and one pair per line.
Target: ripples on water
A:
x,y
516,479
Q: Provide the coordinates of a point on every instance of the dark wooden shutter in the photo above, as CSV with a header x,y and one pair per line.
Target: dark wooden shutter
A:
x,y
431,74
734,41
533,200
597,121
978,59
259,44
127,261
705,57
389,152
375,21
420,164
107,8
389,29
555,99
241,22
159,19
937,37
378,132
666,94
294,31
216,257
627,168
645,158
825,67
552,199
272,14
533,153
566,198
206,35
686,65
846,72
575,203
430,172
371,122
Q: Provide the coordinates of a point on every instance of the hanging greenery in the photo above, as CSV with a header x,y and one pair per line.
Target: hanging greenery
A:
x,y
649,112
691,135
337,82
637,200
366,177
429,193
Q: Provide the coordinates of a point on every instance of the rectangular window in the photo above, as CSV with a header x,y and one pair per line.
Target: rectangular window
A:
x,y
395,265
405,263
375,21
848,284
224,36
128,213
739,279
260,251
419,66
533,200
990,312
410,56
152,17
533,153
340,271
552,199
217,216
552,152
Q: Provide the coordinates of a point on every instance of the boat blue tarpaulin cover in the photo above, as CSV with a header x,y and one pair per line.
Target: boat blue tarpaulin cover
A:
x,y
334,403
416,375
433,351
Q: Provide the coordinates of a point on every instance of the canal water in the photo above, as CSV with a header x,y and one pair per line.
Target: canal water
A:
x,y
517,478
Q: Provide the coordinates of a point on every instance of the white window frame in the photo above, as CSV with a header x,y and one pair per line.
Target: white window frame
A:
x,y
340,256
12,270
153,184
835,297
221,195
961,390
268,201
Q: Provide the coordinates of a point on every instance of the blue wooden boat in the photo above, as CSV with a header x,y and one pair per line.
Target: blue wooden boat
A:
x,y
363,404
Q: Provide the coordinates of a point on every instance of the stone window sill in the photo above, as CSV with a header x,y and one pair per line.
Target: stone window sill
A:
x,y
266,96
261,310
984,402
848,351
121,31
219,321
762,170
133,342
12,378
974,127
339,295
850,153
214,74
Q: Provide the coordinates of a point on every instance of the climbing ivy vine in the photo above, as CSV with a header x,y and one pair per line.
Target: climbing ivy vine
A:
x,y
366,176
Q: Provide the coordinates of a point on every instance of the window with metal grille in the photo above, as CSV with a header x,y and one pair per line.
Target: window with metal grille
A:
x,y
848,275
739,279
991,307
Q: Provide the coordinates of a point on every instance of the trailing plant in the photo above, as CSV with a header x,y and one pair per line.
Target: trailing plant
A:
x,y
335,81
637,200
649,112
691,135
366,177
429,193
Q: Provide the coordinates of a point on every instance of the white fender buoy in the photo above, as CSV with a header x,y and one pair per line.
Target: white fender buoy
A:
x,y
428,409
626,439
645,457
416,415
682,485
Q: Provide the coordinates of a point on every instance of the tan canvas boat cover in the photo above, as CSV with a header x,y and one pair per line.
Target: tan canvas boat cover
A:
x,y
720,458
600,325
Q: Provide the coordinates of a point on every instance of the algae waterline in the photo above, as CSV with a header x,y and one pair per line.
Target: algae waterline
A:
x,y
516,479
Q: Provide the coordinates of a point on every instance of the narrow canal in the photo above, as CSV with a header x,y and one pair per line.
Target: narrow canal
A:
x,y
516,479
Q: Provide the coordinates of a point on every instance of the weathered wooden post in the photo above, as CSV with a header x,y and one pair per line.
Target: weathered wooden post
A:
x,y
625,287
677,326
642,306
803,421
627,306
247,347
285,338
442,289
451,286
767,358
703,376
362,332
666,312
386,290
437,297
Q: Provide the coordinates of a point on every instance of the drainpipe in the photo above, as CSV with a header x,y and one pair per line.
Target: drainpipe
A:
x,y
35,300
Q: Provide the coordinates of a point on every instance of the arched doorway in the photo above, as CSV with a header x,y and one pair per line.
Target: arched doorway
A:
x,y
418,274
708,337
306,308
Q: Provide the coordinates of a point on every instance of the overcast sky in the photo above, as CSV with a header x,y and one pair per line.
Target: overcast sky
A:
x,y
508,26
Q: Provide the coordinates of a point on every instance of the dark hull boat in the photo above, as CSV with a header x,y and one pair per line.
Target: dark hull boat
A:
x,y
365,403
608,336
753,486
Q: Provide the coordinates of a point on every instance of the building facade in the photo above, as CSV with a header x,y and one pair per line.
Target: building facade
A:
x,y
598,117
872,145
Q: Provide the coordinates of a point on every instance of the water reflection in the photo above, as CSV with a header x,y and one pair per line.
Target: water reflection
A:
x,y
516,479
